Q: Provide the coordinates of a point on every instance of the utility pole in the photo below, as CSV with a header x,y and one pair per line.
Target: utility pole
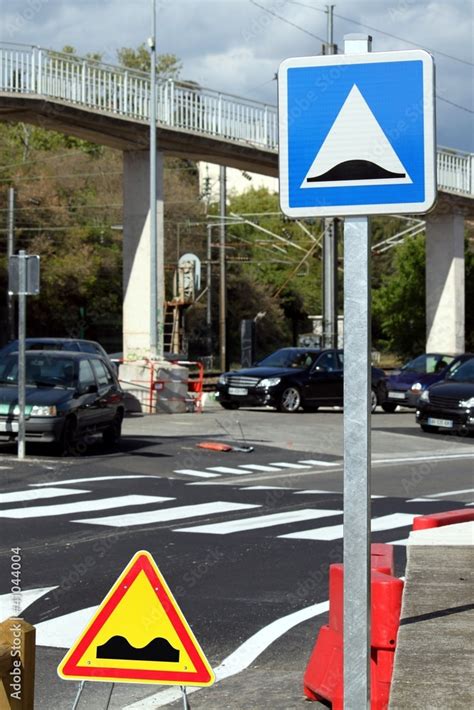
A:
x,y
330,238
209,294
222,284
10,251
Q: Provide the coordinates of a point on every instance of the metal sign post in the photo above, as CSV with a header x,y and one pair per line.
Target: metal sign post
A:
x,y
23,280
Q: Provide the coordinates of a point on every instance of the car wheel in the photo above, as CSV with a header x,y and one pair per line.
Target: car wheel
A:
x,y
310,407
290,400
111,436
230,405
69,444
389,407
429,429
373,401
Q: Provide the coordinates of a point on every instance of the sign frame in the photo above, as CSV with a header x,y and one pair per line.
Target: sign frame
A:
x,y
335,64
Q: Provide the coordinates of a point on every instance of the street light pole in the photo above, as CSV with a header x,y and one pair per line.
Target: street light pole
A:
x,y
222,285
153,227
10,251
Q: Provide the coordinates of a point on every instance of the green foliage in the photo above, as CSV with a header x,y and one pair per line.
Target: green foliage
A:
x,y
168,66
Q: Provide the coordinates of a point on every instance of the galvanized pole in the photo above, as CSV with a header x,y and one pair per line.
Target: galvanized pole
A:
x,y
21,352
209,294
10,251
330,241
153,227
357,447
222,285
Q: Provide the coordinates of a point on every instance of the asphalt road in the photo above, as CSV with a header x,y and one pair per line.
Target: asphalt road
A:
x,y
244,540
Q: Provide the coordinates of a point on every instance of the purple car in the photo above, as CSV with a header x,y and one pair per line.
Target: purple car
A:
x,y
405,387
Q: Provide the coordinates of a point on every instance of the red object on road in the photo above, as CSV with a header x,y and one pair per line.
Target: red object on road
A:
x,y
436,520
323,678
214,446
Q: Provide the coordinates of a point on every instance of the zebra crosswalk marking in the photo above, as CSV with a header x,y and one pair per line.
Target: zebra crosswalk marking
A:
x,y
319,462
335,532
260,521
82,506
86,480
281,464
259,467
226,469
166,514
192,472
36,494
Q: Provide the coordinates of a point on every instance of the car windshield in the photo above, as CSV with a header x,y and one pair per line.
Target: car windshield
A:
x,y
41,370
288,358
463,373
427,364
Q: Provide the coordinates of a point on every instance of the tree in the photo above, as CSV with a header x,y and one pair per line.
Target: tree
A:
x,y
168,66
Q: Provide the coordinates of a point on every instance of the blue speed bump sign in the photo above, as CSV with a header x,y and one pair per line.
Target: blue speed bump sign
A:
x,y
356,134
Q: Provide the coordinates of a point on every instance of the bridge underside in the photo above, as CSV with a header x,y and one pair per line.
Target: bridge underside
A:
x,y
128,134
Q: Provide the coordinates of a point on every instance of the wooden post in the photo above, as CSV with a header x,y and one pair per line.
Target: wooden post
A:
x,y
17,664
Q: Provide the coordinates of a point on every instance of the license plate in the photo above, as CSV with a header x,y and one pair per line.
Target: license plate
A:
x,y
238,390
447,423
396,395
9,426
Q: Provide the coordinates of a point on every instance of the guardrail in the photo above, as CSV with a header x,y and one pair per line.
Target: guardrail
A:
x,y
184,105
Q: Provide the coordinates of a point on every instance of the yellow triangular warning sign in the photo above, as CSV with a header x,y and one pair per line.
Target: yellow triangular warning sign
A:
x,y
138,635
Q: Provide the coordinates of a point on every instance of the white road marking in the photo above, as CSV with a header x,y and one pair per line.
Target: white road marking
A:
x,y
319,462
165,514
451,493
335,532
260,521
26,598
420,500
240,659
316,490
62,631
42,493
192,472
282,464
265,488
259,467
435,457
84,480
403,542
83,506
226,469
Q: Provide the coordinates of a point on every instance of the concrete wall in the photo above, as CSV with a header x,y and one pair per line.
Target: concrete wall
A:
x,y
445,293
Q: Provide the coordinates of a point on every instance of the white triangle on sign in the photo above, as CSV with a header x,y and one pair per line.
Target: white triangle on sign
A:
x,y
356,151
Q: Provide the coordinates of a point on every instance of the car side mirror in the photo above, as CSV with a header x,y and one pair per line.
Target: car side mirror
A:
x,y
90,389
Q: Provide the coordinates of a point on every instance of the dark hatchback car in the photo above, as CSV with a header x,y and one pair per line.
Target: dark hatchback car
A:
x,y
76,345
291,378
69,398
449,405
399,385
424,381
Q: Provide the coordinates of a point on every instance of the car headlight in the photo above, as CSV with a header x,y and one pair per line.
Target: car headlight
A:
x,y
269,382
43,411
222,380
424,396
417,387
468,403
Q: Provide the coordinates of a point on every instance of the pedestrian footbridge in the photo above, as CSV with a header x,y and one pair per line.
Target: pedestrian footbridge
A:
x,y
110,105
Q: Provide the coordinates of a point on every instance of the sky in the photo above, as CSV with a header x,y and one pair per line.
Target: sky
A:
x,y
235,46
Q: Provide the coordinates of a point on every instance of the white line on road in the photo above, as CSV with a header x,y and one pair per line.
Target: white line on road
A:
x,y
42,493
26,598
165,514
451,493
317,490
265,488
435,457
226,469
241,658
335,532
319,462
84,480
282,464
260,521
192,472
83,506
259,467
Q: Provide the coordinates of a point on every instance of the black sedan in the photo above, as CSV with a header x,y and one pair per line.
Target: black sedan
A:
x,y
291,378
70,397
449,405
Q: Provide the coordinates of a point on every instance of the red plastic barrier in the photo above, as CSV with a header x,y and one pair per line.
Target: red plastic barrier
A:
x,y
323,678
436,520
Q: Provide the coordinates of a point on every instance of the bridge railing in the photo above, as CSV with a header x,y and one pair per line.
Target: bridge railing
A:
x,y
104,87
184,105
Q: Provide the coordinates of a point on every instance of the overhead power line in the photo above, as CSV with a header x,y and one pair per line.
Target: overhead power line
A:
x,y
383,32
288,22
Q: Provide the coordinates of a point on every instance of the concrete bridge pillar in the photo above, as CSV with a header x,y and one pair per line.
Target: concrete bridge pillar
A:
x,y
445,283
136,249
